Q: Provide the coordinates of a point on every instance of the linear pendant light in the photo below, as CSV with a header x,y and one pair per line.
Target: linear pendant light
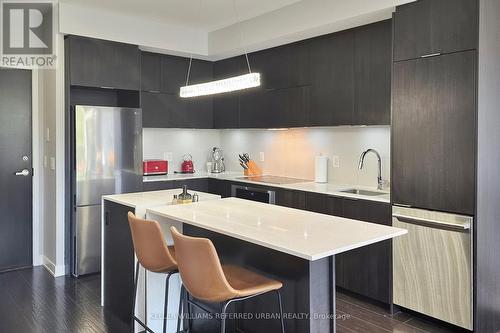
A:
x,y
240,82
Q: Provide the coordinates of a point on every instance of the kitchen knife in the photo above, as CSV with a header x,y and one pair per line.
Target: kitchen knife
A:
x,y
244,166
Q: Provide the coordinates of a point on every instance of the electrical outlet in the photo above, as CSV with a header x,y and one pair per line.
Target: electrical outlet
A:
x,y
336,161
261,156
168,156
53,163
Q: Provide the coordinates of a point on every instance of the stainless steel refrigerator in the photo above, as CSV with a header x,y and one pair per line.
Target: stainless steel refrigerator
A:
x,y
107,160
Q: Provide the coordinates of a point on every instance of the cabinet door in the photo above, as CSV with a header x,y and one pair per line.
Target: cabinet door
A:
x,y
368,270
429,26
255,109
157,186
198,185
118,260
433,133
174,73
324,204
282,67
332,76
372,70
226,106
220,187
150,72
291,199
99,63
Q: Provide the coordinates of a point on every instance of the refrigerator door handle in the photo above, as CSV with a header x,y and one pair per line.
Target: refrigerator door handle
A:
x,y
432,223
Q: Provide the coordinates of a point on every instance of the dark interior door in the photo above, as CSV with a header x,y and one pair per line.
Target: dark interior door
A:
x,y
15,156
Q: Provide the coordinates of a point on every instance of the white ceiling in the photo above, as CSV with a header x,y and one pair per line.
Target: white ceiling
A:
x,y
205,15
210,29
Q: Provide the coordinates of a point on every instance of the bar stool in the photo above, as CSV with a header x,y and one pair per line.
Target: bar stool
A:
x,y
154,255
204,277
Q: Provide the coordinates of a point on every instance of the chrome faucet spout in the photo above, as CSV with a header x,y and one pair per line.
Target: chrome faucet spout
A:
x,y
380,182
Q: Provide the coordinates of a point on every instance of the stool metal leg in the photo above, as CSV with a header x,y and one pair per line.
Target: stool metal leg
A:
x,y
165,308
135,298
181,309
281,311
223,316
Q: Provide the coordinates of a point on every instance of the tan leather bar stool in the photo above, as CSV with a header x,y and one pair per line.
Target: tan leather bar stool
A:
x,y
154,255
206,279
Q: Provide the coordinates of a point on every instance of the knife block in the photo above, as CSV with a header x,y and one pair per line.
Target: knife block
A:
x,y
253,169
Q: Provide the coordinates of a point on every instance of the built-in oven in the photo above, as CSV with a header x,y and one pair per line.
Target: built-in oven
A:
x,y
253,193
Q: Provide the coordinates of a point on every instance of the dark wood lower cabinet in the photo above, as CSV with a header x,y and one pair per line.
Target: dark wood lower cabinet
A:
x,y
291,199
118,262
220,187
198,184
366,271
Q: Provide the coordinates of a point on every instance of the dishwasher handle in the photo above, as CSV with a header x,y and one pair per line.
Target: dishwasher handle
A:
x,y
464,227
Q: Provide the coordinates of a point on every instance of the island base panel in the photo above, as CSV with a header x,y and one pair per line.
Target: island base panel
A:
x,y
308,289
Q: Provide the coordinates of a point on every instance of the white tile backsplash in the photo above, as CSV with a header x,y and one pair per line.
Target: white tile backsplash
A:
x,y
287,152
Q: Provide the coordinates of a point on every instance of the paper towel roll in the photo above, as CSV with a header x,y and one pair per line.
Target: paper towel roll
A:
x,y
321,169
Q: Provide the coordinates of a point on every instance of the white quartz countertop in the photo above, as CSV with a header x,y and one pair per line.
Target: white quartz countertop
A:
x,y
309,186
153,198
300,233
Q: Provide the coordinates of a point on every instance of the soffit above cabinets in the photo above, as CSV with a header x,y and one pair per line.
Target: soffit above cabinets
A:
x,y
176,27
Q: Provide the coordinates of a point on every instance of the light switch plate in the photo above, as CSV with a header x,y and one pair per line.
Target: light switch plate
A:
x,y
168,156
52,163
336,161
262,156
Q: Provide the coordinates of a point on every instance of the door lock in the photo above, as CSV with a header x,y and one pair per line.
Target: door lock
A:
x,y
24,173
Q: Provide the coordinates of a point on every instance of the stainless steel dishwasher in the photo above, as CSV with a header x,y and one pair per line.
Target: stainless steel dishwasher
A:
x,y
433,264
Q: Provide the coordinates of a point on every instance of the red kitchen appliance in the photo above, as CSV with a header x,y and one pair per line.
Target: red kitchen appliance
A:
x,y
154,167
187,164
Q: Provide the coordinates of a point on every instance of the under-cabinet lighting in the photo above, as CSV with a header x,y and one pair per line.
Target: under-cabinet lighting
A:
x,y
241,82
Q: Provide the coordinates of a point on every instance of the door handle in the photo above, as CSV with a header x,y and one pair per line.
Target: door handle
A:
x,y
23,173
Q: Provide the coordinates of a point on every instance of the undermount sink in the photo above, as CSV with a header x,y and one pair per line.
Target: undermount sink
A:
x,y
362,192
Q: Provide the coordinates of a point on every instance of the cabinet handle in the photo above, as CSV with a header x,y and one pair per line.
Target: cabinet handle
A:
x,y
106,87
153,91
430,55
432,222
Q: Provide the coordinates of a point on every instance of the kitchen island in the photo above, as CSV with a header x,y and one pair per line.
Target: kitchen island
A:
x,y
117,271
294,246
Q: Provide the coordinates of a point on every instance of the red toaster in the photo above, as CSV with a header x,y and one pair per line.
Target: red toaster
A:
x,y
155,167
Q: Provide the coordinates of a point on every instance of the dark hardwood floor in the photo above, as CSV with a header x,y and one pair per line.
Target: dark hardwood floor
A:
x,y
31,300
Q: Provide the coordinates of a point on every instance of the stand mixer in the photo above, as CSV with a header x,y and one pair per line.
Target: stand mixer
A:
x,y
218,165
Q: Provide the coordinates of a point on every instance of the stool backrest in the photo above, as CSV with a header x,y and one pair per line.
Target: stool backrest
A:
x,y
149,244
200,268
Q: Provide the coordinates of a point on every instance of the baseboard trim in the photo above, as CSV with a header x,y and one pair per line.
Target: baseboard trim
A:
x,y
55,270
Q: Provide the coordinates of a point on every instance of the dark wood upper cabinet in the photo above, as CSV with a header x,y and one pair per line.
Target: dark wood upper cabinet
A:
x,y
262,108
174,73
372,74
151,78
161,110
100,63
430,26
434,133
283,66
332,78
227,106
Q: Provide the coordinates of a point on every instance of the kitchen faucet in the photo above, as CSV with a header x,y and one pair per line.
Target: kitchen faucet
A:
x,y
362,160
